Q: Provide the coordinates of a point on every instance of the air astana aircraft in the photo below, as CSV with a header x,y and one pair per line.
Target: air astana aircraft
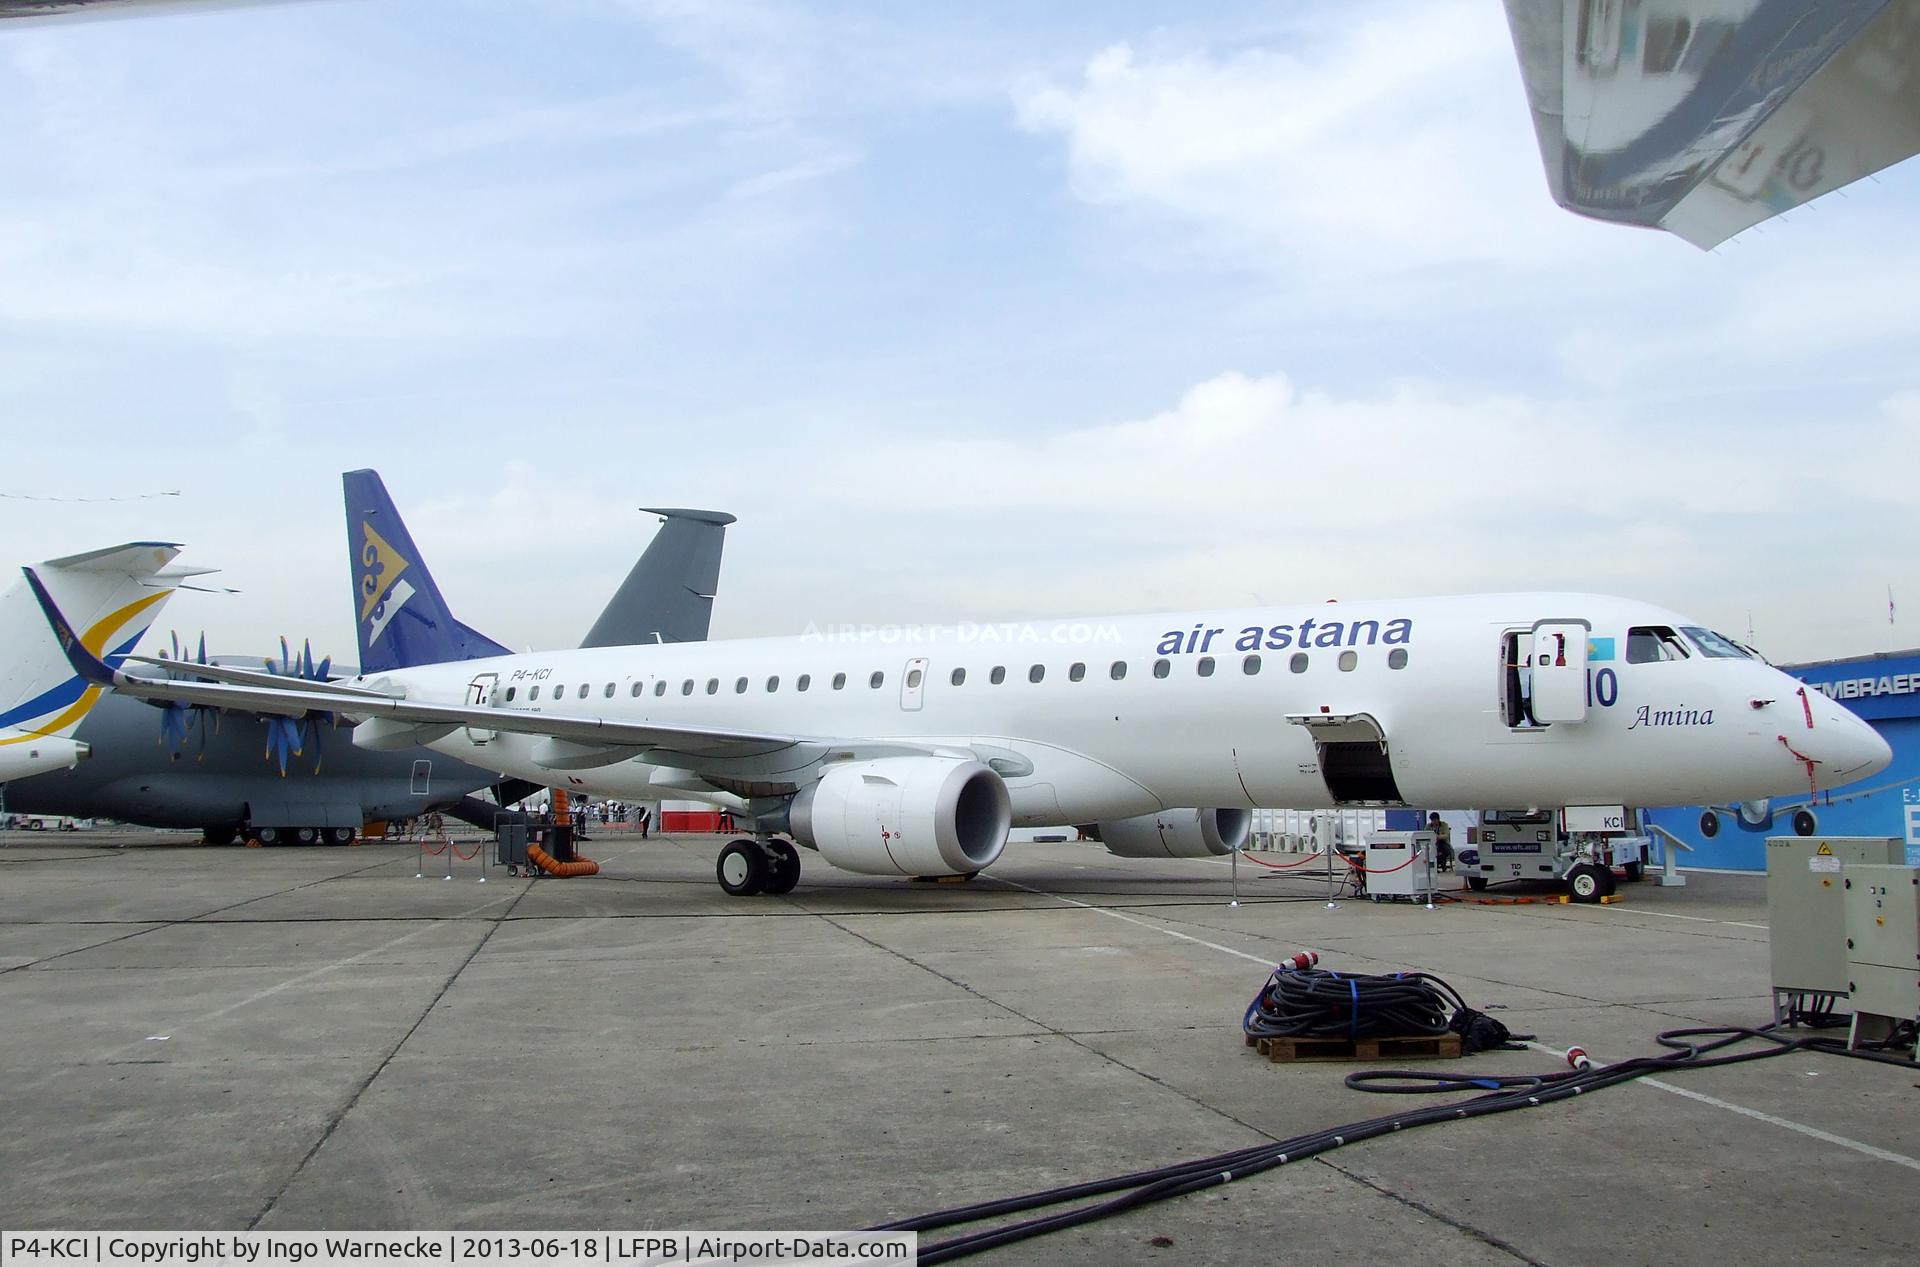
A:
x,y
914,755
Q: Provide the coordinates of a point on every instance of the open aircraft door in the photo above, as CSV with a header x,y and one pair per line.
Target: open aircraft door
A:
x,y
1559,661
480,695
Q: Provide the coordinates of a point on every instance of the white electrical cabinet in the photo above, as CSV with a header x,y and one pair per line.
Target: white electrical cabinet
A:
x,y
1399,864
1882,912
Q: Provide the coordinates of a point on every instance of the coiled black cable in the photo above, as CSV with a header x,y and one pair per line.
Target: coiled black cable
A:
x,y
1314,1003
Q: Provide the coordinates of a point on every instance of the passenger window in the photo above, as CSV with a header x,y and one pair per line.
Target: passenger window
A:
x,y
1161,668
582,692
1036,673
686,687
638,687
559,692
773,684
913,679
1118,671
839,681
1397,658
802,682
713,686
1651,644
877,678
660,688
959,677
1076,673
740,686
534,694
608,693
1250,665
998,675
1349,660
510,691
1204,667
1299,662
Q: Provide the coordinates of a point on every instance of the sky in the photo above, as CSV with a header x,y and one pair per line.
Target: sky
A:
x,y
969,312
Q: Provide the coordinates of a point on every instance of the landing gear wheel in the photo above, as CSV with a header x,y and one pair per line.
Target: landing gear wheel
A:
x,y
1478,883
338,835
785,871
1636,871
306,835
1589,883
267,835
743,868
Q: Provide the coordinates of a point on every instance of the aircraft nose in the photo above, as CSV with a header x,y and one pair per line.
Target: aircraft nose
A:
x,y
1850,749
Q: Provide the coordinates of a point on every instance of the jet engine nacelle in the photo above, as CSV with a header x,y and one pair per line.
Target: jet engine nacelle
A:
x,y
1178,833
905,816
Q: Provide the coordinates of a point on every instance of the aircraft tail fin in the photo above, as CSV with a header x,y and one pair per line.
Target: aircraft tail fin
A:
x,y
668,596
400,618
110,597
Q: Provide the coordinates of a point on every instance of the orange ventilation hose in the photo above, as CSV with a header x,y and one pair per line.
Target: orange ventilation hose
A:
x,y
544,860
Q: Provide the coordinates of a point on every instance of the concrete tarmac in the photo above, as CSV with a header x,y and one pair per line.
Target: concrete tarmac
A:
x,y
222,1038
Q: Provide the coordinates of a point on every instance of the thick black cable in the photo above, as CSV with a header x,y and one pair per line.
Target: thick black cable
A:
x,y
1695,1048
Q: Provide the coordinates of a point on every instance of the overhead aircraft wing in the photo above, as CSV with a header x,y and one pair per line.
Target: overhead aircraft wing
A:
x,y
1705,117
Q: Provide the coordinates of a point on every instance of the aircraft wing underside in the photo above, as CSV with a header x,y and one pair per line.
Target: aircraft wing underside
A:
x,y
1705,117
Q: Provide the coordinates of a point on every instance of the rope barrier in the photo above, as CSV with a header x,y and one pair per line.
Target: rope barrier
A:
x,y
466,857
1283,866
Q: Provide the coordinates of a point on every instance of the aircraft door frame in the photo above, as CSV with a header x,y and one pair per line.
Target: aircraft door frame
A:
x,y
913,684
480,694
421,781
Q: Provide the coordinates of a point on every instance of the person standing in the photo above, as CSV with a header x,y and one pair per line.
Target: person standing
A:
x,y
645,815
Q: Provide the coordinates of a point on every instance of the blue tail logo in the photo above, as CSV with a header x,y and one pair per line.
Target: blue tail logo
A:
x,y
401,618
383,592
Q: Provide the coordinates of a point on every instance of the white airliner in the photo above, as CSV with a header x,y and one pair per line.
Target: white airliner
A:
x,y
916,757
114,594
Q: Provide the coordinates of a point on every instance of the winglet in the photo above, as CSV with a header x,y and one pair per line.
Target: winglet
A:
x,y
85,663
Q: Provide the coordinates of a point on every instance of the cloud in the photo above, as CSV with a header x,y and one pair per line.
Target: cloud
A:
x,y
1383,143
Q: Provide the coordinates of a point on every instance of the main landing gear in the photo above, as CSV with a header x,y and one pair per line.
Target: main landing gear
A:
x,y
749,867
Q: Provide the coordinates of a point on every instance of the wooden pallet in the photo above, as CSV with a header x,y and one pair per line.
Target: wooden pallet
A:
x,y
1419,1047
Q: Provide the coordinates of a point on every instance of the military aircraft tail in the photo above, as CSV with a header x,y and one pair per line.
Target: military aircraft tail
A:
x,y
668,596
400,618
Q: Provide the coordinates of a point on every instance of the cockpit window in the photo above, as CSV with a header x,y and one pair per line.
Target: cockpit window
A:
x,y
1717,646
1650,644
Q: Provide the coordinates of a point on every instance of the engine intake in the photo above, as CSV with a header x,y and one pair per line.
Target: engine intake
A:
x,y
905,816
1178,833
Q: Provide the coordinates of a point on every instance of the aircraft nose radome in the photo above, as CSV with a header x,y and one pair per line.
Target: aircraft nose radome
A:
x,y
1858,750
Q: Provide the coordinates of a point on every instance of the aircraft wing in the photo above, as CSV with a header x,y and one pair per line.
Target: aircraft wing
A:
x,y
1705,117
578,741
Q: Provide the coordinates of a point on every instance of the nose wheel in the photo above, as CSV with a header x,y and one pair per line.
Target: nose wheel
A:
x,y
746,868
